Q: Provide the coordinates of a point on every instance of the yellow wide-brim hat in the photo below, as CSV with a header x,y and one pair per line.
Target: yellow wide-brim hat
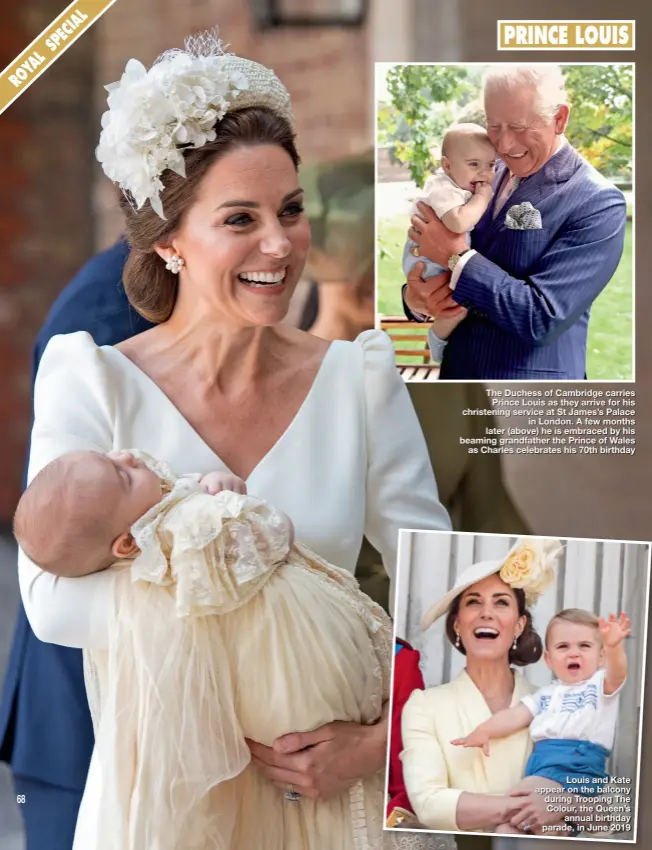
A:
x,y
529,565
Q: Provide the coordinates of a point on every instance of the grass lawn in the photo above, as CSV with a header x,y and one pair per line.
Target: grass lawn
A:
x,y
610,327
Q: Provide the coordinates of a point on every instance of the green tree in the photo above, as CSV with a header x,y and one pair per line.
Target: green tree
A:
x,y
600,126
425,99
420,110
392,128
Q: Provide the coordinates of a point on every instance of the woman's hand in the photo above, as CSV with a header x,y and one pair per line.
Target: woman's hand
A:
x,y
533,811
325,762
433,239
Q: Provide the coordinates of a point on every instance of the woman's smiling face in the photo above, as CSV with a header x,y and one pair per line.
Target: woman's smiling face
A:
x,y
245,239
488,620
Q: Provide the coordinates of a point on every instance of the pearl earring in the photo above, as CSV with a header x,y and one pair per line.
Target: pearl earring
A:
x,y
458,642
515,644
175,263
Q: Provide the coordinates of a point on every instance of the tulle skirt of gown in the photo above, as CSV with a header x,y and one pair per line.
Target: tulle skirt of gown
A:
x,y
307,648
315,663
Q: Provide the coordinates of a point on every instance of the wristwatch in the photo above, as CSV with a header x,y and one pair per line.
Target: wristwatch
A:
x,y
454,260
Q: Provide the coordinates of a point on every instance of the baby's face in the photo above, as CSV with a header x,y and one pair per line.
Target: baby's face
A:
x,y
470,161
124,487
133,485
574,652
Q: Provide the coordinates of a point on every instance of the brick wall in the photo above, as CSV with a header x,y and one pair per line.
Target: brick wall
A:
x,y
45,229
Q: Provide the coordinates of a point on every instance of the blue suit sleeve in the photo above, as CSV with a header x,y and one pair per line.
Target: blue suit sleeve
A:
x,y
412,317
566,280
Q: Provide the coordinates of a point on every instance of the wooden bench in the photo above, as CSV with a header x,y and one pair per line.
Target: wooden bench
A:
x,y
410,341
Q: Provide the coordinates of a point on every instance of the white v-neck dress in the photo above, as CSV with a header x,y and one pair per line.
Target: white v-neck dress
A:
x,y
352,462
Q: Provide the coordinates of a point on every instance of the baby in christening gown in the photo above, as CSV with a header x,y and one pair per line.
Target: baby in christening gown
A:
x,y
222,628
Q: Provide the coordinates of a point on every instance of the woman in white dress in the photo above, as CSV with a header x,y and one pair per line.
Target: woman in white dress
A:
x,y
324,431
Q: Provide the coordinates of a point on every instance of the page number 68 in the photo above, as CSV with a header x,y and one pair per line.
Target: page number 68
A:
x,y
20,799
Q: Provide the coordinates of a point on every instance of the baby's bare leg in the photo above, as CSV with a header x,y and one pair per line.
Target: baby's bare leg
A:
x,y
528,783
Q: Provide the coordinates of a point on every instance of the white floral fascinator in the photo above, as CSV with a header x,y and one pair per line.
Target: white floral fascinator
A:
x,y
529,565
155,115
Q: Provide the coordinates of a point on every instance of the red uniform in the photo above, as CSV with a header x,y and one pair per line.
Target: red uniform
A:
x,y
407,678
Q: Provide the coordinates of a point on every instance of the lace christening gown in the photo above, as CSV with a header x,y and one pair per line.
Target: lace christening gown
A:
x,y
223,630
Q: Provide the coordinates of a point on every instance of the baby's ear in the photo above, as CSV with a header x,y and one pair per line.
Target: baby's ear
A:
x,y
124,546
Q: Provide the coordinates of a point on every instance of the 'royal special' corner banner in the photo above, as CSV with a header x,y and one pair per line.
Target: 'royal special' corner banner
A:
x,y
48,46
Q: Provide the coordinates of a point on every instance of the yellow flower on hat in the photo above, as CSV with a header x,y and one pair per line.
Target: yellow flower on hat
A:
x,y
530,565
519,565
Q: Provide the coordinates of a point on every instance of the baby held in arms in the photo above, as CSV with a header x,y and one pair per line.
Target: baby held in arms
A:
x,y
573,720
221,629
75,517
459,193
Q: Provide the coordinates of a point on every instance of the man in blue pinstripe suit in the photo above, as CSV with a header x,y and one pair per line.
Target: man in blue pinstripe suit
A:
x,y
546,247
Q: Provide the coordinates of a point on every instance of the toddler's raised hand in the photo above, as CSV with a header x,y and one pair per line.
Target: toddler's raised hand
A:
x,y
477,738
215,482
614,630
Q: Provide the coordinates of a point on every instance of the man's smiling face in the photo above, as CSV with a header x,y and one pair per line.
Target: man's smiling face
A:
x,y
524,139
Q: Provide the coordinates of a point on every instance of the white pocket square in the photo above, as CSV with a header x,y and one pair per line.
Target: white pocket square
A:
x,y
523,217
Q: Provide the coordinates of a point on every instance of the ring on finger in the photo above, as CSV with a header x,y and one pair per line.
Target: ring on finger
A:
x,y
291,795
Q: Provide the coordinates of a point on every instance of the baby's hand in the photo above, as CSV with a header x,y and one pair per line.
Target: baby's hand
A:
x,y
215,482
614,630
477,738
484,191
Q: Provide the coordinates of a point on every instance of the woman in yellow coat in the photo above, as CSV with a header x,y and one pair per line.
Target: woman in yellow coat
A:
x,y
487,620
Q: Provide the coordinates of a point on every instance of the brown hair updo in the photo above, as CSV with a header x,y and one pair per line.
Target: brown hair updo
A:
x,y
150,287
529,647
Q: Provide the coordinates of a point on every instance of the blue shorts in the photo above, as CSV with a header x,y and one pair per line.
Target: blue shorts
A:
x,y
409,262
431,269
578,766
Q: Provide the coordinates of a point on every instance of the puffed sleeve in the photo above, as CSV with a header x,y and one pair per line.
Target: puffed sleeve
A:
x,y
72,412
401,491
424,767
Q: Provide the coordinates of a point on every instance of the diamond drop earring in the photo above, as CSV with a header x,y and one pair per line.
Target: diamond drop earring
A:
x,y
175,263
